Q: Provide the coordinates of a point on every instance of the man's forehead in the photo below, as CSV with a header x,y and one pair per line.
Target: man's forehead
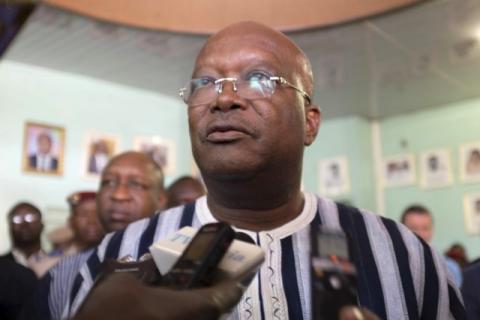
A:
x,y
250,45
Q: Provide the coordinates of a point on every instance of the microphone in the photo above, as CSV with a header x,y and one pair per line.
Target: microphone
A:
x,y
242,258
334,277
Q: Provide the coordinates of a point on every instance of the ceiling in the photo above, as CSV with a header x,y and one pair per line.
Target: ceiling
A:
x,y
203,16
415,58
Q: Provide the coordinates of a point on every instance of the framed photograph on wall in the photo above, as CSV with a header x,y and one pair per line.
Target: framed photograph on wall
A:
x,y
435,169
471,205
334,178
43,149
161,150
399,170
470,162
98,149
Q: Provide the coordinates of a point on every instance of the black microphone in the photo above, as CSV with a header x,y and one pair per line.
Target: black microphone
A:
x,y
195,267
334,277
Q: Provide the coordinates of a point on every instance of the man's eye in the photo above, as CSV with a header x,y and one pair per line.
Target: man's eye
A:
x,y
201,82
105,183
258,76
137,185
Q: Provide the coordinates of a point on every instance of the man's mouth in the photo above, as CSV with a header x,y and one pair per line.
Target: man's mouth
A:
x,y
226,133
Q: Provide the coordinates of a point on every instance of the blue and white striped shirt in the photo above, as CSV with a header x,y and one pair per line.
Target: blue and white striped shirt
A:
x,y
399,276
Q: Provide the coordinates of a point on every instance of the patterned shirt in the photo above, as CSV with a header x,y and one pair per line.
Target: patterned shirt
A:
x,y
399,276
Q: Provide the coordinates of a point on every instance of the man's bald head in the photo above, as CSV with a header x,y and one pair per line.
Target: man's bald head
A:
x,y
301,72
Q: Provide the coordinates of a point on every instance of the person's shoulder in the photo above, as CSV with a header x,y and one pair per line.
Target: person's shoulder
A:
x,y
472,270
7,256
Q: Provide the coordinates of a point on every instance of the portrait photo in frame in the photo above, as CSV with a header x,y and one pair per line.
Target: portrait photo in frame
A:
x,y
161,150
470,162
471,205
99,148
333,177
399,170
435,169
43,149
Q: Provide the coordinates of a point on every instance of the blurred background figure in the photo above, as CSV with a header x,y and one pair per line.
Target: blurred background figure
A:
x,y
458,253
25,226
131,188
84,222
419,219
184,190
17,284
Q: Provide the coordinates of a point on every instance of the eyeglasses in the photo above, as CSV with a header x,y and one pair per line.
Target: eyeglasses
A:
x,y
28,218
204,90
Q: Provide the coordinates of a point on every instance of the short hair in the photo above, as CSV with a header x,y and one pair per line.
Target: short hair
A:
x,y
23,204
183,179
157,169
415,209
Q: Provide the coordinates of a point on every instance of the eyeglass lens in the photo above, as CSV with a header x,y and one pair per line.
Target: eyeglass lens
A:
x,y
28,218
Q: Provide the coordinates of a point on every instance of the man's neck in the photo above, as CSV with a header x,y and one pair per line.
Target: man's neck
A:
x,y
252,208
29,249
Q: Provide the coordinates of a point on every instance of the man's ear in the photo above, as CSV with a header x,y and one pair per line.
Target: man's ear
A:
x,y
313,117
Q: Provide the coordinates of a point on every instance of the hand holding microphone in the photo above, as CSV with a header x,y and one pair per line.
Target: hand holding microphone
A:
x,y
200,275
123,296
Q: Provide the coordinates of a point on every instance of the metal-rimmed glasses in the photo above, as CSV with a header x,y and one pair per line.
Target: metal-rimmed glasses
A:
x,y
28,218
201,91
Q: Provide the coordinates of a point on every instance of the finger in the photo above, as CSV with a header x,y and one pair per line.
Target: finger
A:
x,y
355,313
226,295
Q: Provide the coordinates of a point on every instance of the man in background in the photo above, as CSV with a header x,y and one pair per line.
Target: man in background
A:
x,y
184,190
419,219
85,225
131,188
43,160
26,226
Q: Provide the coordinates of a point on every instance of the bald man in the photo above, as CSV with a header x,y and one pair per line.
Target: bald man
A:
x,y
131,188
251,115
184,190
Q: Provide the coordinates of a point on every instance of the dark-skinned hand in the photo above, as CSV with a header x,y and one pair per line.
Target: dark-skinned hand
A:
x,y
122,296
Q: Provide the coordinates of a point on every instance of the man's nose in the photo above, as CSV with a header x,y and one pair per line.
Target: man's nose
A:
x,y
121,192
228,98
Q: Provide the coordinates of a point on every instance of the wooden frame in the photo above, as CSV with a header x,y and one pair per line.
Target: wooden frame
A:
x,y
43,149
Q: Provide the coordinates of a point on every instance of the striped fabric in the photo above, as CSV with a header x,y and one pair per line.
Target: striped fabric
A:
x,y
399,276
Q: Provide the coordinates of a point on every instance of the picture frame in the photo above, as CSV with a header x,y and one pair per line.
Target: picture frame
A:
x,y
435,169
399,170
470,162
471,205
334,176
43,149
98,149
161,150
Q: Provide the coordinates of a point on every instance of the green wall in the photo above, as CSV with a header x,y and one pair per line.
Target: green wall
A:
x,y
442,127
350,137
82,104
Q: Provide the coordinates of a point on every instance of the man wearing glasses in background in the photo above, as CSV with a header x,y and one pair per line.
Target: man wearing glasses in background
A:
x,y
25,225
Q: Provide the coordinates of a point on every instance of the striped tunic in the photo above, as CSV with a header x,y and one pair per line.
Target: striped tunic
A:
x,y
399,276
